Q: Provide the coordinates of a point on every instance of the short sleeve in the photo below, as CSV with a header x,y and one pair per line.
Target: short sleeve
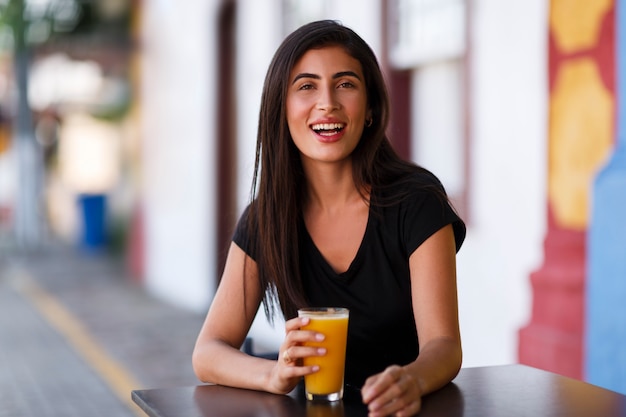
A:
x,y
243,236
424,213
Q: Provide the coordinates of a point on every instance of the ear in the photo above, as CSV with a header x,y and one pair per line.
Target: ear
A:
x,y
369,119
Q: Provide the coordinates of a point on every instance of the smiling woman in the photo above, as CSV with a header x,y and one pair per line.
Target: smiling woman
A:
x,y
339,220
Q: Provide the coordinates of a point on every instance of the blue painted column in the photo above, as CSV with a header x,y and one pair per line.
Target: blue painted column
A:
x,y
605,361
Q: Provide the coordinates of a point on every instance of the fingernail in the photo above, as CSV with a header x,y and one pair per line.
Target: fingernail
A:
x,y
319,337
365,395
321,351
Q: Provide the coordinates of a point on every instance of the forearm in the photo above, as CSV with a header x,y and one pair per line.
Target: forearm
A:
x,y
438,363
217,362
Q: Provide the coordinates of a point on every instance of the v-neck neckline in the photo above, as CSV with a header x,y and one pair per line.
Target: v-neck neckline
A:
x,y
356,261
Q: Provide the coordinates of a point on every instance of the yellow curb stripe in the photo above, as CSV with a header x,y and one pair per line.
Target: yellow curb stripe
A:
x,y
119,380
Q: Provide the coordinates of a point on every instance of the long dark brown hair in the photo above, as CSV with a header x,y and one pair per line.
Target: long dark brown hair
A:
x,y
279,184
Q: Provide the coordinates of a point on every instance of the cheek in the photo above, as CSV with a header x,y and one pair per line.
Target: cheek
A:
x,y
294,123
294,112
358,108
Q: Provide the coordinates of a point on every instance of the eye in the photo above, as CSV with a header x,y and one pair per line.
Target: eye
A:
x,y
305,86
346,84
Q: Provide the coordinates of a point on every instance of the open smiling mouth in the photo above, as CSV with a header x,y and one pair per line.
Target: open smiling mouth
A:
x,y
328,129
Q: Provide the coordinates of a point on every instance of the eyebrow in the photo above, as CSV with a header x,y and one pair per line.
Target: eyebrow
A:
x,y
317,77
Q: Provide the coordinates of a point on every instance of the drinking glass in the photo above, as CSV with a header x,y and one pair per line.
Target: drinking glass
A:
x,y
327,383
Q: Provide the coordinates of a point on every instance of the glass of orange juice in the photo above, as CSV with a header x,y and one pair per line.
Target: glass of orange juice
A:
x,y
327,383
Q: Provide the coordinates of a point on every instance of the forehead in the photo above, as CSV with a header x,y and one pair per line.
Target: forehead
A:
x,y
326,60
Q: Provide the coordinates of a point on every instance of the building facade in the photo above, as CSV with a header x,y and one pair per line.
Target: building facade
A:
x,y
472,110
499,99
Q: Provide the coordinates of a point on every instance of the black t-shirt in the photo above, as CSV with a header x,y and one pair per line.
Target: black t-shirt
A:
x,y
376,288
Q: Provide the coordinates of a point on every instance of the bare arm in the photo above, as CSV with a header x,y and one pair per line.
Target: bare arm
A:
x,y
435,306
217,357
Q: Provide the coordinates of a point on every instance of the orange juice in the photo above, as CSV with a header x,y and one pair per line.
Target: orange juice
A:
x,y
333,324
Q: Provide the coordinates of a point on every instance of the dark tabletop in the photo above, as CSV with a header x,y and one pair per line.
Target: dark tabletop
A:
x,y
495,391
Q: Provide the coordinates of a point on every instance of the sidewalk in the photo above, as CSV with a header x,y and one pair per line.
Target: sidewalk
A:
x,y
76,335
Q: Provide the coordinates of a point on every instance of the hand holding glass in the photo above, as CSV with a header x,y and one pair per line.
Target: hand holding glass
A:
x,y
327,382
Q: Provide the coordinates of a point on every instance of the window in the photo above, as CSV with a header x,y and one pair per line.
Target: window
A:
x,y
428,39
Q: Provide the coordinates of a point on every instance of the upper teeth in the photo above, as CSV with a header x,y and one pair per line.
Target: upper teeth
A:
x,y
327,126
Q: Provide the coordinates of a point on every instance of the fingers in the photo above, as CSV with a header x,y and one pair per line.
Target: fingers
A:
x,y
378,384
393,392
290,367
296,346
296,323
294,354
297,343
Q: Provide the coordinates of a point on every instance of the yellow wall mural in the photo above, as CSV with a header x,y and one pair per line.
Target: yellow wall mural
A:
x,y
581,134
576,23
581,119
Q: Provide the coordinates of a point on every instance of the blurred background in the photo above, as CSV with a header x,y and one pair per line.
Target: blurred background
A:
x,y
128,128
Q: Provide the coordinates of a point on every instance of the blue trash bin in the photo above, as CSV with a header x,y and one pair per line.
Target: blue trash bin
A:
x,y
93,210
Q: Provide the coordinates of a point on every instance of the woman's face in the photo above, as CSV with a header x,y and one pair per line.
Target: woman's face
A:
x,y
326,104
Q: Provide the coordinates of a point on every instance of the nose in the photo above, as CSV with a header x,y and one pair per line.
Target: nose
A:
x,y
327,101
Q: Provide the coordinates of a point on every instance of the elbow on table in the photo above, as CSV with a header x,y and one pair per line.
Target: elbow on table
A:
x,y
201,364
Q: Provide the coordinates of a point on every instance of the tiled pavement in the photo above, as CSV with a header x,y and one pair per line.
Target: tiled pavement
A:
x,y
76,335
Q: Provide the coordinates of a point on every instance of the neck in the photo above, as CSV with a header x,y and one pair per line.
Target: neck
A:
x,y
331,187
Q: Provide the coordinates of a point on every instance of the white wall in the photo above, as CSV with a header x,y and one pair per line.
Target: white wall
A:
x,y
508,177
259,32
178,120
